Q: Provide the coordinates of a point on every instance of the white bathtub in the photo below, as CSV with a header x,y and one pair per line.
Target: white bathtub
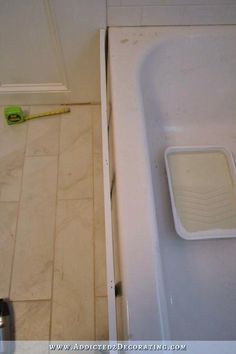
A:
x,y
170,86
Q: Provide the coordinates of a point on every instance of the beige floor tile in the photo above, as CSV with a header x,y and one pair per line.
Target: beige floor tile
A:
x,y
97,129
75,163
119,318
73,287
115,237
99,229
43,133
102,332
8,217
32,268
11,166
73,291
12,145
32,320
39,178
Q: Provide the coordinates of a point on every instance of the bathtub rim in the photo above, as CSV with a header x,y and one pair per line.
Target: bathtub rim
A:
x,y
123,36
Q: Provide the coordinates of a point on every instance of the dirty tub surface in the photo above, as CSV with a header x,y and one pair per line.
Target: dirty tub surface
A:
x,y
171,86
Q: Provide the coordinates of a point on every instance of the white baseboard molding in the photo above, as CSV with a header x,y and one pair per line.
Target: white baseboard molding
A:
x,y
33,88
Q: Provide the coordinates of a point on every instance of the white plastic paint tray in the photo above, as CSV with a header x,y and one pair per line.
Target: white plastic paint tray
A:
x,y
202,187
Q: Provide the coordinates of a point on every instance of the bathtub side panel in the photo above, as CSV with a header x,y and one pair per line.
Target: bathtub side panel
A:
x,y
135,206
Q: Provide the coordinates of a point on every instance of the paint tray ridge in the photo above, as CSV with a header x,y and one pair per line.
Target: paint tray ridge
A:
x,y
202,186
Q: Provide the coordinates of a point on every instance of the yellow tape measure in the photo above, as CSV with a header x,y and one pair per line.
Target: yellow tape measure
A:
x,y
15,114
50,113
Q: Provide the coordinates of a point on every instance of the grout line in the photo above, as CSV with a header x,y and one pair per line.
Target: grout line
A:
x,y
55,230
92,103
71,199
173,5
95,103
18,209
45,155
32,300
9,201
94,261
101,296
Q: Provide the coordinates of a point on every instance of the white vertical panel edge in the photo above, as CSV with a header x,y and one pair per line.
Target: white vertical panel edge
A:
x,y
107,200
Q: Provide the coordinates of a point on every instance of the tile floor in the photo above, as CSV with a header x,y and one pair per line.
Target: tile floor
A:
x,y
52,242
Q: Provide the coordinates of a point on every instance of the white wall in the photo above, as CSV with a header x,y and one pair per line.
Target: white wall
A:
x,y
50,51
53,45
170,12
